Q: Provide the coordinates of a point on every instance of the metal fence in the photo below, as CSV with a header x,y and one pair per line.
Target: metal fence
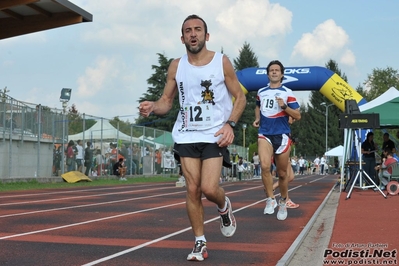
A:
x,y
35,138
28,133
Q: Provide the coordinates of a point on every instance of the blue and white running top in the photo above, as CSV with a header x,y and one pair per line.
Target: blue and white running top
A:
x,y
273,119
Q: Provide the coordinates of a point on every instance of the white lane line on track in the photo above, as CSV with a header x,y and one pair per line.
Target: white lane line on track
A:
x,y
90,221
317,179
86,196
106,218
88,205
94,204
123,252
80,197
71,191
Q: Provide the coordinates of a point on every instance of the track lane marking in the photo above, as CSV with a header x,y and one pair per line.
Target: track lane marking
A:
x,y
70,191
123,252
80,197
107,218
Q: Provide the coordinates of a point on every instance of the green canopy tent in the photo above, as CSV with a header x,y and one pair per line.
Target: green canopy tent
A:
x,y
165,139
387,105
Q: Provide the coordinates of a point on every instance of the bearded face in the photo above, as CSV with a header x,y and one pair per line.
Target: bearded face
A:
x,y
195,46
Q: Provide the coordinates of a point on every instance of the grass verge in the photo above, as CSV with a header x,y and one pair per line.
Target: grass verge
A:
x,y
34,184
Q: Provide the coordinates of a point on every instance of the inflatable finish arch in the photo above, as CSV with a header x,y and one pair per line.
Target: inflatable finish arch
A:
x,y
310,78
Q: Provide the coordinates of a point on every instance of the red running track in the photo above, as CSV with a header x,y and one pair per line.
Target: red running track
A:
x,y
147,224
366,223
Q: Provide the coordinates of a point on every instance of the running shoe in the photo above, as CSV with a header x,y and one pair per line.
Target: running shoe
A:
x,y
270,205
199,252
282,210
228,223
291,205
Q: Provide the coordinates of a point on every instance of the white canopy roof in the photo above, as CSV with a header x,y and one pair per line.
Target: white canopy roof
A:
x,y
108,133
337,151
390,94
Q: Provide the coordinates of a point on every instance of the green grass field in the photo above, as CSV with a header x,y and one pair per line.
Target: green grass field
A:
x,y
17,186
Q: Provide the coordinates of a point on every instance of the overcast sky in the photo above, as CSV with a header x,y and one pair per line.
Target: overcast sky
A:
x,y
107,62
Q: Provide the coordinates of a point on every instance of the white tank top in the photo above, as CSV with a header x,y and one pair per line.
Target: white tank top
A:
x,y
205,102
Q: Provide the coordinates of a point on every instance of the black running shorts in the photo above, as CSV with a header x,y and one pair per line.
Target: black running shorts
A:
x,y
203,151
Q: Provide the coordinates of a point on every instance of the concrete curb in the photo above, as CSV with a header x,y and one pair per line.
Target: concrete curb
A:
x,y
308,247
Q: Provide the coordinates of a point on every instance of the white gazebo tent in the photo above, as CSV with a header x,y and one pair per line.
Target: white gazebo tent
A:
x,y
336,152
103,130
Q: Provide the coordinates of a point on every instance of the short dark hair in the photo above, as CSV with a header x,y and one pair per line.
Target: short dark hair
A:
x,y
194,17
276,62
388,151
370,134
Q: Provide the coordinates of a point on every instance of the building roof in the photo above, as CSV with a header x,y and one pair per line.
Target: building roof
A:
x,y
18,17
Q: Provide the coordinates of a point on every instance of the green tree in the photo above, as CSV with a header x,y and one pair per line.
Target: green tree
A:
x,y
379,81
123,126
246,58
75,121
157,83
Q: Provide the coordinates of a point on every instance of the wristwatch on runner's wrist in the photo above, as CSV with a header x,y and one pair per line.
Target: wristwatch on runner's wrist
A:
x,y
231,123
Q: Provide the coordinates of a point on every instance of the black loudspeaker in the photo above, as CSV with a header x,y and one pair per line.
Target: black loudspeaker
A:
x,y
351,107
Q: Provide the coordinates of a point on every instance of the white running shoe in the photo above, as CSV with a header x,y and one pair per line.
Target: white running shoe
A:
x,y
270,205
282,210
228,223
199,252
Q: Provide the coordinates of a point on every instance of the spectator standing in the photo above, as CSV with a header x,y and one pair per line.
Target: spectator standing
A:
x,y
136,158
99,162
57,156
255,159
158,162
316,164
113,156
323,163
79,155
294,165
88,157
240,168
131,166
310,166
368,149
234,158
302,165
70,156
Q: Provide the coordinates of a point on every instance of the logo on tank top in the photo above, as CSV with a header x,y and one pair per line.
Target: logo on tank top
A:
x,y
207,94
